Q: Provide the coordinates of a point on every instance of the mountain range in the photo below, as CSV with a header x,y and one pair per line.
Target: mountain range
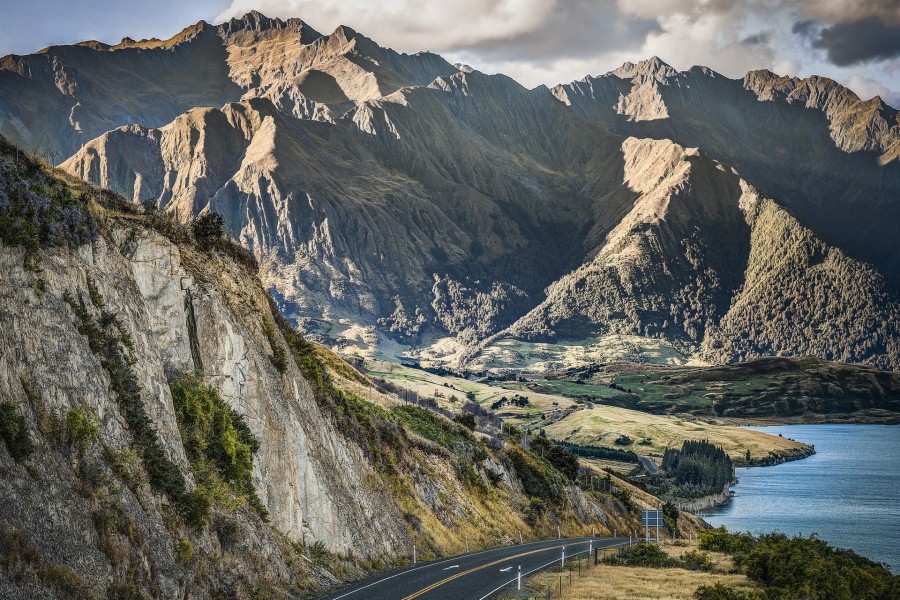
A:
x,y
401,205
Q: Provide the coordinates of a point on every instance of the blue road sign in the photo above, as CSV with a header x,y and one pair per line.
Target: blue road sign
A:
x,y
652,518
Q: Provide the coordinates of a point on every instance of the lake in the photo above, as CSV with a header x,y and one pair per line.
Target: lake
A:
x,y
848,492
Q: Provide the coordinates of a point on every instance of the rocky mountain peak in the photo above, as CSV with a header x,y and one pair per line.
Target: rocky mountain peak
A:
x,y
651,68
255,24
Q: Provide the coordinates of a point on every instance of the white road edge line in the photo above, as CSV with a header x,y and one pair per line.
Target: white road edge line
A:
x,y
440,562
555,560
451,567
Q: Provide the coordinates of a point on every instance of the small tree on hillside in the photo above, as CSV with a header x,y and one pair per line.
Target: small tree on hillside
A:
x,y
209,229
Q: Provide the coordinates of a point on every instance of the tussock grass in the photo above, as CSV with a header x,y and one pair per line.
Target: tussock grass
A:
x,y
606,582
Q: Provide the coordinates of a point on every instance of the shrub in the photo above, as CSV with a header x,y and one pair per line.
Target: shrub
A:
x,y
809,567
721,540
697,561
81,429
318,553
720,592
537,479
208,229
467,420
670,517
535,511
38,211
624,497
278,357
623,440
184,552
214,434
642,554
14,431
433,426
196,507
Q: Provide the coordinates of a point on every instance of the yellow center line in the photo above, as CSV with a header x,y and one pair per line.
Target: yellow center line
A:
x,y
472,570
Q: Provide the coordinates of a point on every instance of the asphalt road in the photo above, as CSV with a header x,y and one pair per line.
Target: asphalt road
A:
x,y
649,465
475,576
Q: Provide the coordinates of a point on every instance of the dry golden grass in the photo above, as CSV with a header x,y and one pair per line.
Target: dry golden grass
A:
x,y
600,426
633,583
600,464
603,582
426,385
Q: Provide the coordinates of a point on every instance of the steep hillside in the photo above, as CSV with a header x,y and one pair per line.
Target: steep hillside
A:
x,y
705,261
399,206
166,433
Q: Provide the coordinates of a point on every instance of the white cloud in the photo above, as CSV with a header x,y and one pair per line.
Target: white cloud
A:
x,y
411,25
868,88
786,66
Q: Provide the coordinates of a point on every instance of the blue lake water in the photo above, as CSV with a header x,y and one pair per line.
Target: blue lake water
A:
x,y
848,492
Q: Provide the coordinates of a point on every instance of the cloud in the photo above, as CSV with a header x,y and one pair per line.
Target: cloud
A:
x,y
411,25
805,28
869,88
859,41
849,11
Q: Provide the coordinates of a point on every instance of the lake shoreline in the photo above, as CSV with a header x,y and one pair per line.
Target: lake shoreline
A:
x,y
846,493
779,458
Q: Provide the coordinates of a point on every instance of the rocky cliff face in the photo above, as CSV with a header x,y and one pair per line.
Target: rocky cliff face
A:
x,y
422,202
96,322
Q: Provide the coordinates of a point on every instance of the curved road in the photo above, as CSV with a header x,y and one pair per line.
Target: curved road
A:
x,y
475,576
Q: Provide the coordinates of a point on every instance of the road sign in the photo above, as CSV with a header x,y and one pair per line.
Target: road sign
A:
x,y
652,518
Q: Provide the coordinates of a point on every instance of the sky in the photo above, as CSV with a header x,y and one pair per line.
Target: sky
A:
x,y
856,42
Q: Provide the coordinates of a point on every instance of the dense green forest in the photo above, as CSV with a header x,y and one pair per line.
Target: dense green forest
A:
x,y
698,469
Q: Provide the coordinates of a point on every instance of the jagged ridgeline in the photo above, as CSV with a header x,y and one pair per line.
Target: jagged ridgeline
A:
x,y
167,433
392,198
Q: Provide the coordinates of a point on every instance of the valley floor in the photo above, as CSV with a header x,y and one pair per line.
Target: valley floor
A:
x,y
584,422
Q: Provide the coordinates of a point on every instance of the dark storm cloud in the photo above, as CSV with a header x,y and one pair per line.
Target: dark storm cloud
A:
x,y
859,41
758,38
805,28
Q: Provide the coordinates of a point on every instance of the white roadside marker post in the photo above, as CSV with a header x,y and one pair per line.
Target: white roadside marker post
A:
x,y
562,562
414,554
467,543
520,578
520,538
558,533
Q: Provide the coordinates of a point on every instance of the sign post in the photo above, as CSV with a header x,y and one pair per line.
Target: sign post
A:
x,y
651,518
